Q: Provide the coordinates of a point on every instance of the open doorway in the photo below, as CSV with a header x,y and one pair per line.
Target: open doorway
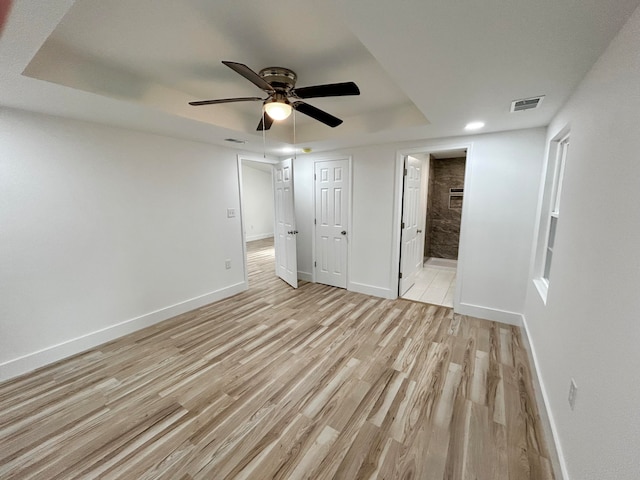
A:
x,y
258,219
431,218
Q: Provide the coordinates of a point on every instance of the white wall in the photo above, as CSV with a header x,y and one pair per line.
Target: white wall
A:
x,y
104,231
371,235
500,201
590,328
257,192
499,210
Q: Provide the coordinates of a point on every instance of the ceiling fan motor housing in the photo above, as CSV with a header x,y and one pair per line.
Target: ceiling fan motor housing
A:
x,y
281,79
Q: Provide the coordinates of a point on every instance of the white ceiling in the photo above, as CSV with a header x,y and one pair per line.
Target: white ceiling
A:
x,y
425,67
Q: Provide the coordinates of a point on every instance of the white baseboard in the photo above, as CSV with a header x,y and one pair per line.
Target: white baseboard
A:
x,y
306,276
371,290
258,236
32,361
440,262
546,415
504,316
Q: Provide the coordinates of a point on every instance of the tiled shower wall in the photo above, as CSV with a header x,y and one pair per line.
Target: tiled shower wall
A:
x,y
443,223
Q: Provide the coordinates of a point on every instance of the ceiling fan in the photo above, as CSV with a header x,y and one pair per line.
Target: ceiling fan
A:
x,y
279,83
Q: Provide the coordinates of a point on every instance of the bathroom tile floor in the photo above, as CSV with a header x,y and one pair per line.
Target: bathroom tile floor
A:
x,y
435,284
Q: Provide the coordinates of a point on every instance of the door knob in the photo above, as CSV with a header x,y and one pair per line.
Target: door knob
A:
x,y
419,231
295,232
343,232
290,232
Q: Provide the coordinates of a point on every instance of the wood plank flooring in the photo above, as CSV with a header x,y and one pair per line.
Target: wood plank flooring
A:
x,y
315,383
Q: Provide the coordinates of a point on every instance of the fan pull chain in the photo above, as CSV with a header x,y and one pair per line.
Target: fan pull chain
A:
x,y
264,137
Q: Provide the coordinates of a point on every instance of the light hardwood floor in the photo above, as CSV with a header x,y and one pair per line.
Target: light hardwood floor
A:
x,y
315,383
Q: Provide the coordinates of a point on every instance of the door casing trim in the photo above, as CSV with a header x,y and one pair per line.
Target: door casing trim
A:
x,y
253,158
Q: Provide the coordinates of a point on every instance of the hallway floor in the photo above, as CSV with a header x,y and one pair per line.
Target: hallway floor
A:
x,y
435,284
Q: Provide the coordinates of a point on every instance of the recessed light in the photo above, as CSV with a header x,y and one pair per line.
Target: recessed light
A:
x,y
474,126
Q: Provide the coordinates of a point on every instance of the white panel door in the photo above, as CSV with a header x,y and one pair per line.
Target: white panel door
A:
x,y
285,223
410,254
332,219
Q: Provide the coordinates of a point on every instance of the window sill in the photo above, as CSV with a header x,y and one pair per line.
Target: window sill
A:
x,y
543,288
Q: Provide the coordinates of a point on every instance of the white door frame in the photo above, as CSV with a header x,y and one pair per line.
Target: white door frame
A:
x,y
397,211
252,158
349,213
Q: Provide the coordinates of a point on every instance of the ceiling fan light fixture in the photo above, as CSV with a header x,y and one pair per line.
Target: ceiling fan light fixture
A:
x,y
278,110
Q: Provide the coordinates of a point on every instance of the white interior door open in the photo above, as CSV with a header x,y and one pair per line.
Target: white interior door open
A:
x,y
332,220
285,223
411,256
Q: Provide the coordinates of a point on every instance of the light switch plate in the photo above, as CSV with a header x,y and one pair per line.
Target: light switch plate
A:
x,y
231,212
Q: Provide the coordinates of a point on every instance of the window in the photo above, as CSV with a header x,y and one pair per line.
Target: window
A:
x,y
550,220
551,212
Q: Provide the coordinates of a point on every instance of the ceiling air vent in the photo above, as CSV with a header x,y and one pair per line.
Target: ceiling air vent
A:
x,y
526,104
235,140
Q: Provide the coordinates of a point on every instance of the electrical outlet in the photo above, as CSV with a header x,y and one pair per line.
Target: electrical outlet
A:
x,y
231,212
227,264
573,392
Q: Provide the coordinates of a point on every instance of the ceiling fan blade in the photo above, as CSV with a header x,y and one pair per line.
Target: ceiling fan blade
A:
x,y
328,90
250,75
225,100
265,122
317,114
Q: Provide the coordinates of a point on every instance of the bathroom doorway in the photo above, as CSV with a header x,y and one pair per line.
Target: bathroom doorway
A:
x,y
442,197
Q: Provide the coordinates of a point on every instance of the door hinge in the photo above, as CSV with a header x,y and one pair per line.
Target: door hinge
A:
x,y
402,226
314,221
405,172
315,264
314,176
400,275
